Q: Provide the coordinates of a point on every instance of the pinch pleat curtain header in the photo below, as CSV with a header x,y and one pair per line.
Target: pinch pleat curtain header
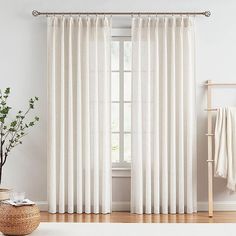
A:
x,y
163,135
79,149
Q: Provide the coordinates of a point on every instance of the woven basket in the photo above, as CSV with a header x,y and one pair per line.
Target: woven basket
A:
x,y
21,220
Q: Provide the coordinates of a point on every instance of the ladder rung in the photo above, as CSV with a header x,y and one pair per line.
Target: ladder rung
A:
x,y
213,109
210,160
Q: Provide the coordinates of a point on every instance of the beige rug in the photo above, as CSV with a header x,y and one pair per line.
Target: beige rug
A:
x,y
105,229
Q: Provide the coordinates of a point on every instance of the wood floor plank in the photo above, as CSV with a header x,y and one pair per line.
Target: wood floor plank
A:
x,y
125,217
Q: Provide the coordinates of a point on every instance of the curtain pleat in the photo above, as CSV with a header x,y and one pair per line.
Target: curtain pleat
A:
x,y
86,120
163,116
51,39
70,124
79,150
62,128
164,121
95,124
79,157
180,114
156,120
172,111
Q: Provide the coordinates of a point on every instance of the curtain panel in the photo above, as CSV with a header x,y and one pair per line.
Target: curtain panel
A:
x,y
79,149
163,178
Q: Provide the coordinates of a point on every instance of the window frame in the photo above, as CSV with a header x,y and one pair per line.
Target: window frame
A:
x,y
121,38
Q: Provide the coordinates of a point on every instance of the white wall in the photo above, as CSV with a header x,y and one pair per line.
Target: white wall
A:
x,y
23,68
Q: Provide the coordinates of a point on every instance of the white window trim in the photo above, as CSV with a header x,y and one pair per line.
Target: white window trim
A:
x,y
121,173
121,32
122,167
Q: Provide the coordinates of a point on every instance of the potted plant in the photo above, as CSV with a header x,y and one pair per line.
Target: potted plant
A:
x,y
12,131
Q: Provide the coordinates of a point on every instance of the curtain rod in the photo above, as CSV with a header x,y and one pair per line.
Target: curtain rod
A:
x,y
37,13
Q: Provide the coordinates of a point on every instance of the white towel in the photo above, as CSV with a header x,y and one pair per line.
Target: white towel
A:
x,y
25,202
225,146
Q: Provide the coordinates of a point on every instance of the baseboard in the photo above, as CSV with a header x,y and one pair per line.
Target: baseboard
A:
x,y
121,206
218,206
43,205
125,206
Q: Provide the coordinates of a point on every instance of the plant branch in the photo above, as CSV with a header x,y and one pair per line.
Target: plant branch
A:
x,y
16,128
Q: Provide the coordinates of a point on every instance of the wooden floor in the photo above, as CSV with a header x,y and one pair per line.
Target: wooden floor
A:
x,y
125,217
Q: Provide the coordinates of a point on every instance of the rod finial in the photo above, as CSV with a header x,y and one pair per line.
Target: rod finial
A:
x,y
35,13
207,13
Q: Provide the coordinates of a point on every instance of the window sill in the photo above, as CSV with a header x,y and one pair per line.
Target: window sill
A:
x,y
123,172
121,168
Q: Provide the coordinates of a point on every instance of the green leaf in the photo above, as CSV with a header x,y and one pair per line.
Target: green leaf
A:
x,y
5,110
13,124
7,91
36,118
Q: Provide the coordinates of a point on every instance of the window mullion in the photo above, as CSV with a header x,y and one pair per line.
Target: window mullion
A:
x,y
121,64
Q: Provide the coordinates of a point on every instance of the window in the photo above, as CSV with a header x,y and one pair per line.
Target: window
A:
x,y
121,101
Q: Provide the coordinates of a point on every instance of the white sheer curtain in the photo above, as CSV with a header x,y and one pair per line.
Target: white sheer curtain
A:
x,y
79,150
163,116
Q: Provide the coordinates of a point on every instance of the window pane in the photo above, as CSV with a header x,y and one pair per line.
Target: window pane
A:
x,y
127,147
115,148
115,46
115,86
127,86
127,117
115,117
127,55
